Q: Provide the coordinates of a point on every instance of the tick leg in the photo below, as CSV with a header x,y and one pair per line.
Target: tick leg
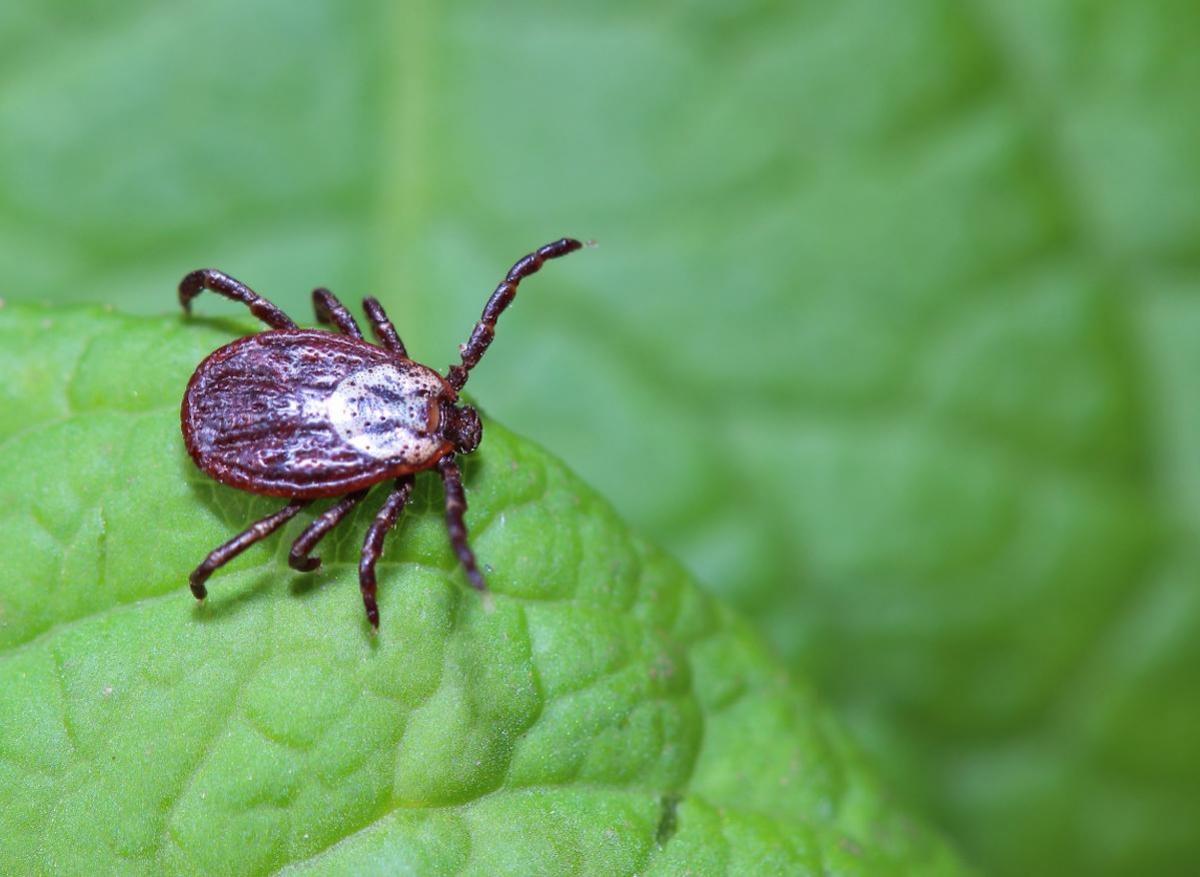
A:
x,y
222,284
382,327
456,507
373,544
258,531
332,312
501,298
298,557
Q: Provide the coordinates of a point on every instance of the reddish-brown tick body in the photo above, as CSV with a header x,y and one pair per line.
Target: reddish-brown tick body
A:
x,y
309,414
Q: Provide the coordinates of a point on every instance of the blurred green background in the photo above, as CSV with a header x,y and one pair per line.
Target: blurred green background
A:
x,y
891,336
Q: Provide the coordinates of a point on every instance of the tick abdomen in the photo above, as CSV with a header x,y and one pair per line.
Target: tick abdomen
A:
x,y
306,414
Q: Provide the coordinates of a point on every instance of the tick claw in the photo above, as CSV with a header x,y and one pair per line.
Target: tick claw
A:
x,y
304,564
198,589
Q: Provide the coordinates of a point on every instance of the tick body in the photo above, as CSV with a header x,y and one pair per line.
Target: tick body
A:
x,y
309,414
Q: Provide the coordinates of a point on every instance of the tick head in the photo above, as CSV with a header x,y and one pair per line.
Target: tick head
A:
x,y
462,427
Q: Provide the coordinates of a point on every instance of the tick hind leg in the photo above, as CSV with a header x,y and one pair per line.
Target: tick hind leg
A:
x,y
298,557
373,544
383,328
222,284
258,531
332,312
456,526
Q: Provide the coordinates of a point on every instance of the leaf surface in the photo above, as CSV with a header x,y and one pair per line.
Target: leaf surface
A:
x,y
604,717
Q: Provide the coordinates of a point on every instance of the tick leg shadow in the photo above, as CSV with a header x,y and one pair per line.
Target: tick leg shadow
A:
x,y
228,588
234,327
231,589
240,589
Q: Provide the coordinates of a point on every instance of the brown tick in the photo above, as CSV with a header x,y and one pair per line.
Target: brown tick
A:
x,y
308,414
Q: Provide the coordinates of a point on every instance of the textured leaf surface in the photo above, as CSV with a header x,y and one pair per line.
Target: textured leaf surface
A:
x,y
891,335
604,718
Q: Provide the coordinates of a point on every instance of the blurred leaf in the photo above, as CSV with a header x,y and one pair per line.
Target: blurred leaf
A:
x,y
605,718
890,336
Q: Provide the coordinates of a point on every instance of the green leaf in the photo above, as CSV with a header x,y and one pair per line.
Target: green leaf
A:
x,y
603,717
890,336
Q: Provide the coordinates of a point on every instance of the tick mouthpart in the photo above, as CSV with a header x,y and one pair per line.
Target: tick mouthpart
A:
x,y
462,427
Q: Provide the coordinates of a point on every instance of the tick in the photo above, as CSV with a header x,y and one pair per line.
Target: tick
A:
x,y
310,414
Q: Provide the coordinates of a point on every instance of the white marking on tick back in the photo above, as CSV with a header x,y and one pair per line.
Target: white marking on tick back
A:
x,y
383,412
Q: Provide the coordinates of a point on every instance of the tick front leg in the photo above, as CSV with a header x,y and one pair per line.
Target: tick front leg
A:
x,y
258,531
373,544
332,312
456,507
383,328
298,557
222,284
501,298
